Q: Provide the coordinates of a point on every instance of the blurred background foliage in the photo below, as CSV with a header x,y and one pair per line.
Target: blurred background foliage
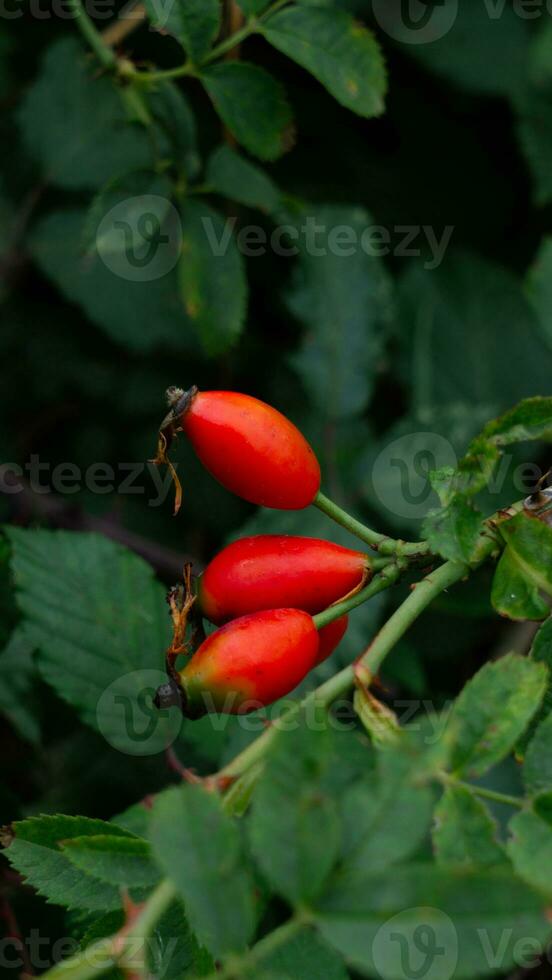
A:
x,y
358,351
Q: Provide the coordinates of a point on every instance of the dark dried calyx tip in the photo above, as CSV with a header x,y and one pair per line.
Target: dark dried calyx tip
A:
x,y
169,695
179,400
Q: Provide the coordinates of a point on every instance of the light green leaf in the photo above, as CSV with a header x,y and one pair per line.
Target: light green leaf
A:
x,y
472,919
212,277
139,315
537,765
513,593
529,544
253,105
36,851
343,297
294,827
234,177
75,125
465,832
199,848
339,51
99,622
17,674
122,861
195,23
530,848
493,711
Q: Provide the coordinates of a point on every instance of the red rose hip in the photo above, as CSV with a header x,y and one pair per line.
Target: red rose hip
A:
x,y
250,662
330,636
274,571
248,446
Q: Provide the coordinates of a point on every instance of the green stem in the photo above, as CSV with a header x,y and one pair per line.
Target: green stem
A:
x,y
388,576
237,966
381,543
161,76
106,953
92,36
482,791
340,683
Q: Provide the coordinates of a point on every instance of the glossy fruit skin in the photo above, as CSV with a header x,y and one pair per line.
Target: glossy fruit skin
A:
x,y
250,662
330,636
272,571
252,449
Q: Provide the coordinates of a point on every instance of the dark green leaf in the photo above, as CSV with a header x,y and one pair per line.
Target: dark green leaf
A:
x,y
343,297
535,136
195,23
294,825
199,848
438,922
530,848
233,176
493,711
212,277
172,112
385,818
465,832
339,51
537,765
75,124
539,287
122,861
514,594
142,201
99,622
303,957
17,674
138,315
253,105
529,562
37,853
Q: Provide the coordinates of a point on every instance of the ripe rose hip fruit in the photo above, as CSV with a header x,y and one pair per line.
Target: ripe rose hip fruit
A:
x,y
330,636
248,446
250,662
273,571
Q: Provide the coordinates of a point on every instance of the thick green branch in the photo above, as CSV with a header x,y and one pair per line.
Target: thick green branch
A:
x,y
92,36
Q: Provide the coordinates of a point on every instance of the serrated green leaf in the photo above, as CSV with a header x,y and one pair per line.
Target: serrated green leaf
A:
x,y
250,7
454,531
234,177
17,675
537,765
195,23
465,833
121,861
294,827
471,919
37,853
199,848
386,817
343,297
75,125
493,711
139,315
212,278
530,849
99,622
252,104
339,51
